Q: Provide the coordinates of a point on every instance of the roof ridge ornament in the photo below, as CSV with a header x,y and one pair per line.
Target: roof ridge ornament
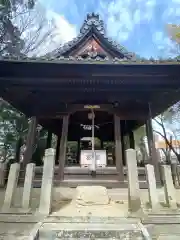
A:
x,y
93,19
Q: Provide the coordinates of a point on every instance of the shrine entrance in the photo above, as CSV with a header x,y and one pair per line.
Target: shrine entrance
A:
x,y
90,69
88,137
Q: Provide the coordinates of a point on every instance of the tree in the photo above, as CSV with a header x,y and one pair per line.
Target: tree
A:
x,y
11,43
24,28
169,119
174,33
35,29
13,125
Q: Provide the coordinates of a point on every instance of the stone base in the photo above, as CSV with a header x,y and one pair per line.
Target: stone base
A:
x,y
92,195
15,211
169,237
90,231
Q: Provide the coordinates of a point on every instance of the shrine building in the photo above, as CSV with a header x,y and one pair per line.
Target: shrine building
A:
x,y
59,91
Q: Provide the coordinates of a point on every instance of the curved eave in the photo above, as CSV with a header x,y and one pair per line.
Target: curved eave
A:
x,y
45,88
79,60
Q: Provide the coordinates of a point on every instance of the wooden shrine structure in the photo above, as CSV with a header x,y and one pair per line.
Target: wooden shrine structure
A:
x,y
90,70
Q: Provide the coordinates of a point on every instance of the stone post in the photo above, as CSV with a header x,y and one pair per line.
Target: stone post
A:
x,y
11,186
118,148
30,141
169,190
152,150
47,182
134,200
152,189
178,173
174,174
63,146
29,177
2,174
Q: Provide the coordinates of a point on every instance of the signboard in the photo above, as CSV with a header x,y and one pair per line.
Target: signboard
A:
x,y
86,158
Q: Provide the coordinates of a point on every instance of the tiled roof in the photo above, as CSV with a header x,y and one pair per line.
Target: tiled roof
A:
x,y
92,24
96,60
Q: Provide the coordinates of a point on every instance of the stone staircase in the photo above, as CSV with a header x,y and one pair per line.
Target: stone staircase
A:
x,y
91,228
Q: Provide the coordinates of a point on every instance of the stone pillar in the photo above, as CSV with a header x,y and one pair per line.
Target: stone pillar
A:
x,y
118,148
28,182
175,174
63,146
178,173
30,141
152,150
49,140
131,140
169,190
11,186
134,201
47,182
152,189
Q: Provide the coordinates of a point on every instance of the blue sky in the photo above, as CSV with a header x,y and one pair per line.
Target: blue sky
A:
x,y
138,25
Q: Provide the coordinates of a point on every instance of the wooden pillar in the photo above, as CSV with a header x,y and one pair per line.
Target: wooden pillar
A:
x,y
118,148
30,141
57,149
78,151
123,149
63,146
152,149
131,140
102,144
49,140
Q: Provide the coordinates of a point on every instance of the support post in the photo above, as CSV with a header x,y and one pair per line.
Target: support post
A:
x,y
102,144
27,190
78,151
30,141
63,146
47,182
118,148
123,149
152,150
11,186
49,140
131,140
57,149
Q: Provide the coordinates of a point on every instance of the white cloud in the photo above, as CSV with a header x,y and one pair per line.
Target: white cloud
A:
x,y
119,19
137,16
150,3
65,31
176,1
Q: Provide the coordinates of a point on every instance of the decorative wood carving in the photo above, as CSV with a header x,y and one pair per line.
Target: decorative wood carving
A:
x,y
92,49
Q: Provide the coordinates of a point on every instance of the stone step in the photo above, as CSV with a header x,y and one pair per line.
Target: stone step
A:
x,y
73,183
89,231
169,237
